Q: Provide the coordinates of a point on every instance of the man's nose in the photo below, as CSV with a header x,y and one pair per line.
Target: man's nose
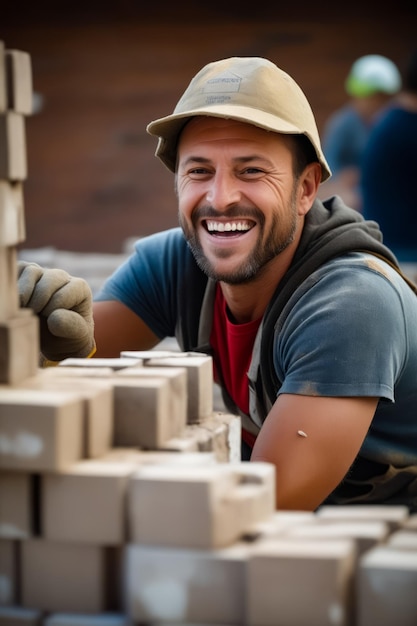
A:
x,y
223,191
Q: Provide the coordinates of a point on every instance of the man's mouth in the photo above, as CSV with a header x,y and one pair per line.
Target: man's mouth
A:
x,y
231,227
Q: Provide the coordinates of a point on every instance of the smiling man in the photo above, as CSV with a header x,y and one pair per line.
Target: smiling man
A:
x,y
312,328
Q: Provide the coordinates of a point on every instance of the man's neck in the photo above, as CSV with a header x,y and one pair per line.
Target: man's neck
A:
x,y
248,302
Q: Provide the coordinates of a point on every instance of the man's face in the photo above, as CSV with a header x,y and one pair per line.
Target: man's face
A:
x,y
236,196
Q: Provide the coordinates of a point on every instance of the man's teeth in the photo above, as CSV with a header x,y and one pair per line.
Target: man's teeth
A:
x,y
227,226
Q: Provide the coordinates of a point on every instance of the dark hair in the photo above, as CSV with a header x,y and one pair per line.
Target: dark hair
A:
x,y
304,153
410,73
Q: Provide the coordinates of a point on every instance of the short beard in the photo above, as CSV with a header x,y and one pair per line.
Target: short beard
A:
x,y
263,252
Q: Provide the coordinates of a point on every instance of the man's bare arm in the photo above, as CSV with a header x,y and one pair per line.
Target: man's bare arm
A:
x,y
312,441
117,328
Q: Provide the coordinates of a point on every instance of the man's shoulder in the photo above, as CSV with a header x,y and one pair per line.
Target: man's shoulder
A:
x,y
357,268
363,282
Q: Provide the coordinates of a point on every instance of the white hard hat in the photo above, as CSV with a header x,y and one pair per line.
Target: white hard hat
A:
x,y
371,74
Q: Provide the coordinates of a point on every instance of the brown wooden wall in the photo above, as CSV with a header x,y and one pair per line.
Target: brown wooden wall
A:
x,y
105,70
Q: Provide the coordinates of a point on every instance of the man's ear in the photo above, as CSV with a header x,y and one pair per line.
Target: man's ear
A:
x,y
308,187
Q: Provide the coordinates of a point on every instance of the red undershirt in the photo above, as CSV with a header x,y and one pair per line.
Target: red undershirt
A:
x,y
232,345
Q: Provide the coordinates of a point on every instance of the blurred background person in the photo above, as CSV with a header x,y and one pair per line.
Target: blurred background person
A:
x,y
389,173
372,81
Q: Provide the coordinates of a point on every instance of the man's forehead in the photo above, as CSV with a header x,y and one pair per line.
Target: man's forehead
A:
x,y
211,129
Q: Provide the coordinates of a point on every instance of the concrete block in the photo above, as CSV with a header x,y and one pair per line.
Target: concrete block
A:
x,y
9,297
8,572
79,372
220,433
18,616
255,495
98,401
148,457
19,81
15,507
393,515
155,353
143,412
86,503
12,218
62,577
186,586
410,523
281,522
3,82
386,587
366,534
403,539
19,347
188,441
177,378
114,364
40,431
291,582
218,503
13,160
199,381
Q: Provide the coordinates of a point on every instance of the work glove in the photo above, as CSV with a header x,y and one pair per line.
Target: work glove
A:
x,y
64,307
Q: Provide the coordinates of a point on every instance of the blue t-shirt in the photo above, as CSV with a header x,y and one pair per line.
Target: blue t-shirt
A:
x,y
344,138
388,176
351,331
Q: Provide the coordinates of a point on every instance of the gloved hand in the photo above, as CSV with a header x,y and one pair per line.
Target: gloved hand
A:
x,y
64,307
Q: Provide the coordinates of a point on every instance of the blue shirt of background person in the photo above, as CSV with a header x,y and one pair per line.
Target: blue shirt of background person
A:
x,y
389,170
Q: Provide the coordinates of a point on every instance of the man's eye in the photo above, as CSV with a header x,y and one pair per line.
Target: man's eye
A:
x,y
197,171
252,171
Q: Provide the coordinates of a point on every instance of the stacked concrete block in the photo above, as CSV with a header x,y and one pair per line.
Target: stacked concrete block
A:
x,y
219,503
19,346
86,503
177,381
98,407
386,586
200,377
404,538
156,406
186,586
293,582
16,489
394,516
365,533
272,575
66,481
40,430
185,560
386,580
410,523
220,433
68,577
192,540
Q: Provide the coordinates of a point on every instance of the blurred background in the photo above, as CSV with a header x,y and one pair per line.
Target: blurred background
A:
x,y
103,70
